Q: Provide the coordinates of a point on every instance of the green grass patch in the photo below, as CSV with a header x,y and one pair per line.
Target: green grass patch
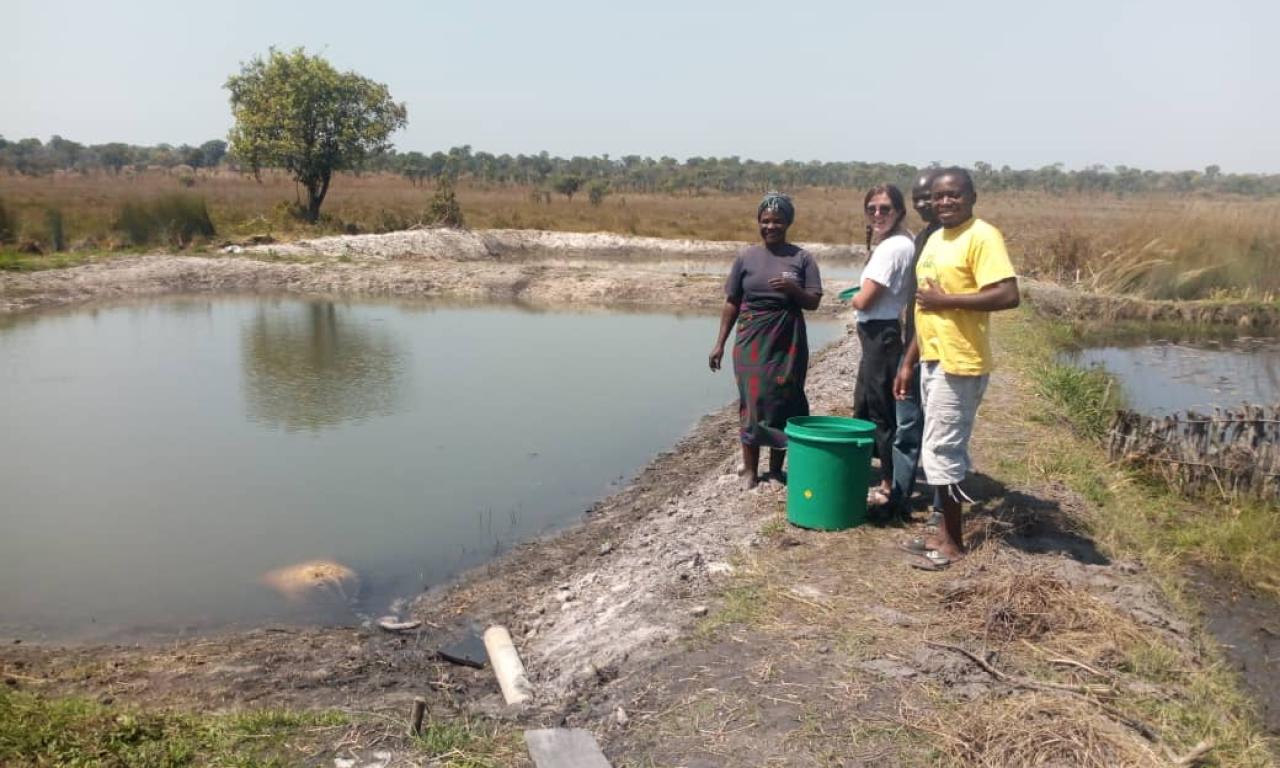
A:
x,y
1083,397
77,731
74,731
14,261
744,604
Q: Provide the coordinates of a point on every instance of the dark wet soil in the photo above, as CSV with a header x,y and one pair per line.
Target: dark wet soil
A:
x,y
1247,624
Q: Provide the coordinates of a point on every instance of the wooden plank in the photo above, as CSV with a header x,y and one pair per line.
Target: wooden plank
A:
x,y
564,748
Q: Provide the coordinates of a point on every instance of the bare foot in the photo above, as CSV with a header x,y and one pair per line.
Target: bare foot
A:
x,y
749,480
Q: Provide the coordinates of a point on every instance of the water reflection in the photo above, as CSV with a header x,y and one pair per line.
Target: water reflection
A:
x,y
313,366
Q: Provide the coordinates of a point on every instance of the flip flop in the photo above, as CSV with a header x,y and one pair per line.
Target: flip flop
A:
x,y
932,560
914,546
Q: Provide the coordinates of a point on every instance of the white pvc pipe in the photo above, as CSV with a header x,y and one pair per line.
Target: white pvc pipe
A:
x,y
507,666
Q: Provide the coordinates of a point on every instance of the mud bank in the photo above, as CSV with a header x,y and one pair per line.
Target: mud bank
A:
x,y
541,268
1098,309
524,244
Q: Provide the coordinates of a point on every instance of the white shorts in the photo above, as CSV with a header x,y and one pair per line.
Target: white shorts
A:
x,y
950,404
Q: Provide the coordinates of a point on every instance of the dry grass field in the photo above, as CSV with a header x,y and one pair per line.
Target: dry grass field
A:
x,y
1157,246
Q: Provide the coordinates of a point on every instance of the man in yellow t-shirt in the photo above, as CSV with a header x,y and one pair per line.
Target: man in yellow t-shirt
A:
x,y
962,276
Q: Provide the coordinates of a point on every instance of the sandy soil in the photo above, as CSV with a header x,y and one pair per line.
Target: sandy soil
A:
x,y
683,621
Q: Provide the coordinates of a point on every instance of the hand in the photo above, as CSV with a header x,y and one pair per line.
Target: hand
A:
x,y
902,382
789,287
715,357
931,297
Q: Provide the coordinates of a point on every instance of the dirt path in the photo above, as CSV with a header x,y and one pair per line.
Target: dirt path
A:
x,y
686,624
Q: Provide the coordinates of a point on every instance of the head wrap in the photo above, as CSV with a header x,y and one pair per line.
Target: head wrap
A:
x,y
778,203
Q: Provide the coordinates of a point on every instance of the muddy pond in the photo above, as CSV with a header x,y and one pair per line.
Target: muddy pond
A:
x,y
1161,377
159,459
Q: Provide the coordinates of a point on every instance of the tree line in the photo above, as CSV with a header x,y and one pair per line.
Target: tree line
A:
x,y
636,173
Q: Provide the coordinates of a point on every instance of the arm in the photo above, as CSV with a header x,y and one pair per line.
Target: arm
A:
x,y
868,294
995,297
906,371
728,316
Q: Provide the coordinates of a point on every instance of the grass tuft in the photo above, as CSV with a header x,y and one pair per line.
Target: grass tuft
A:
x,y
74,731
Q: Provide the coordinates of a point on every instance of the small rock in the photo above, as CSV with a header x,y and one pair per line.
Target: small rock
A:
x,y
891,617
621,716
699,610
719,568
394,624
888,668
606,548
824,648
808,591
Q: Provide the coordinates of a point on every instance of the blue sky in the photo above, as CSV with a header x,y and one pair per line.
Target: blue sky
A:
x,y
1163,85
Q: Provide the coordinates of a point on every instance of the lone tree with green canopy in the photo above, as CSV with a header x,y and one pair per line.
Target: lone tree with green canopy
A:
x,y
297,112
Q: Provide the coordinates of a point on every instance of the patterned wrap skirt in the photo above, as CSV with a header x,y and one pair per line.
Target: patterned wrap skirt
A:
x,y
770,360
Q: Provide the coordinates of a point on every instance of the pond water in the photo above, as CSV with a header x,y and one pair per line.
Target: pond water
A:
x,y
1163,377
157,459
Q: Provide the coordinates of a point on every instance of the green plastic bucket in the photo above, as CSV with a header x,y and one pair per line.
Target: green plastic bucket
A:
x,y
828,464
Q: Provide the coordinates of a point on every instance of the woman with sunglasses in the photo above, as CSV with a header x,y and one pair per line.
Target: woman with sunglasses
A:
x,y
885,291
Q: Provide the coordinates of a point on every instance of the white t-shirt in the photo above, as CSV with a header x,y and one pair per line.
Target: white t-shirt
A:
x,y
890,266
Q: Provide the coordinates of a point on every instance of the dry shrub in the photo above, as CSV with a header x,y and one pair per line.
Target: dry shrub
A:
x,y
1036,729
175,219
8,225
1010,603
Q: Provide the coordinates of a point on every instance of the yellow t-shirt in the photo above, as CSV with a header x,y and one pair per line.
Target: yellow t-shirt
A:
x,y
960,260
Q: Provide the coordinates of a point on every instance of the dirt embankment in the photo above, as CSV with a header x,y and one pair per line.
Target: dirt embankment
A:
x,y
544,268
1099,309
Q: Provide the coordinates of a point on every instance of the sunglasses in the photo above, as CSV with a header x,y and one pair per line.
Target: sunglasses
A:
x,y
882,210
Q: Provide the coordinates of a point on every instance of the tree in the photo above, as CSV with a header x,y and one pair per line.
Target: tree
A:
x,y
297,112
444,210
414,166
597,190
115,156
213,152
567,185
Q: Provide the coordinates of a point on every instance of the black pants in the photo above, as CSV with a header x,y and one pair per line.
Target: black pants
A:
x,y
873,393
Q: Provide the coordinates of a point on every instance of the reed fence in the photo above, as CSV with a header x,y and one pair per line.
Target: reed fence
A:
x,y
1232,453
